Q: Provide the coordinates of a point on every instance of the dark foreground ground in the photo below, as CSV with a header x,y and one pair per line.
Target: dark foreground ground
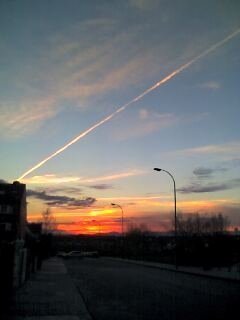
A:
x,y
120,290
49,294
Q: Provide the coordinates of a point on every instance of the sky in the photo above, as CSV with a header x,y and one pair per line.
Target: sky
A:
x,y
68,65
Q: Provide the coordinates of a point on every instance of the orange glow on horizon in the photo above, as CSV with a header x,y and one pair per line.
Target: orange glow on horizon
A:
x,y
156,214
132,206
90,228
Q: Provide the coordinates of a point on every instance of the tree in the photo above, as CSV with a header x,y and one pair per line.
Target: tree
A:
x,y
196,224
48,221
135,230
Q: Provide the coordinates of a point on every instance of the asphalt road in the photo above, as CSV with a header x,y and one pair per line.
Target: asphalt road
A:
x,y
114,290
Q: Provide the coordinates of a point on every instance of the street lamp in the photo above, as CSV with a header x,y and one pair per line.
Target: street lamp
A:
x,y
175,210
117,205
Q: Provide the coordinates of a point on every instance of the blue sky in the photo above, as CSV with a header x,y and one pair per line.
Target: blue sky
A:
x,y
65,65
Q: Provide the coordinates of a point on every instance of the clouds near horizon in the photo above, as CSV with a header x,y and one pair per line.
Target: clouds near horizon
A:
x,y
59,201
210,187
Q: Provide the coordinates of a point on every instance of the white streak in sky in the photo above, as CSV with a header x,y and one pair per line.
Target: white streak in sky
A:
x,y
122,108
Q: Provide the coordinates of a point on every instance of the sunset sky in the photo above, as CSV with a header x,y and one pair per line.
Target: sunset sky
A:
x,y
67,65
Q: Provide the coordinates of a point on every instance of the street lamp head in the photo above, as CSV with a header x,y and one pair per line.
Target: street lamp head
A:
x,y
157,169
113,204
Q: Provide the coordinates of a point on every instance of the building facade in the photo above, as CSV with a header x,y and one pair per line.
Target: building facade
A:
x,y
12,211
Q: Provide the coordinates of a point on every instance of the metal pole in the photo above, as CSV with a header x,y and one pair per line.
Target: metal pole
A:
x,y
175,212
122,221
122,245
117,205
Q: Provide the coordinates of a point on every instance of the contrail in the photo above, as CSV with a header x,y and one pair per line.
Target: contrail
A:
x,y
122,108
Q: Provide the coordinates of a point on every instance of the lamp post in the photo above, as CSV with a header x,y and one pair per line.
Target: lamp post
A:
x,y
117,205
175,210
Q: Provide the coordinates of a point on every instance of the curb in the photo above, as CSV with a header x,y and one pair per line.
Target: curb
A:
x,y
172,269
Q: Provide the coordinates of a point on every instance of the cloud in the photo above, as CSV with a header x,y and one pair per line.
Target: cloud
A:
x,y
65,189
59,201
101,186
20,118
111,80
197,188
73,191
146,123
227,148
134,199
211,85
50,179
116,176
54,179
86,61
203,172
208,172
74,71
211,187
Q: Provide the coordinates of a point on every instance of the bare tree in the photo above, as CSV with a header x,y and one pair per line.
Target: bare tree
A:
x,y
137,229
196,224
48,221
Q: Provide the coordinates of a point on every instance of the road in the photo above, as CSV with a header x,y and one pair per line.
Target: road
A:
x,y
114,290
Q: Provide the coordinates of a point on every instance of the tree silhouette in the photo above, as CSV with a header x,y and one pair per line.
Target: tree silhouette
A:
x,y
48,221
196,224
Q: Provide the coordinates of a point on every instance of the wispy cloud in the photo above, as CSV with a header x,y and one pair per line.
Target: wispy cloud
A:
x,y
59,201
66,189
17,119
101,186
211,187
50,179
198,188
210,85
146,123
204,172
230,148
134,198
75,71
54,179
116,176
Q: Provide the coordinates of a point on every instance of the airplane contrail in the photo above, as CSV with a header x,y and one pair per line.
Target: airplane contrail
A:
x,y
140,96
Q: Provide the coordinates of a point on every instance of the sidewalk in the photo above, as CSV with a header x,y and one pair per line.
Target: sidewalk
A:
x,y
50,294
217,273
